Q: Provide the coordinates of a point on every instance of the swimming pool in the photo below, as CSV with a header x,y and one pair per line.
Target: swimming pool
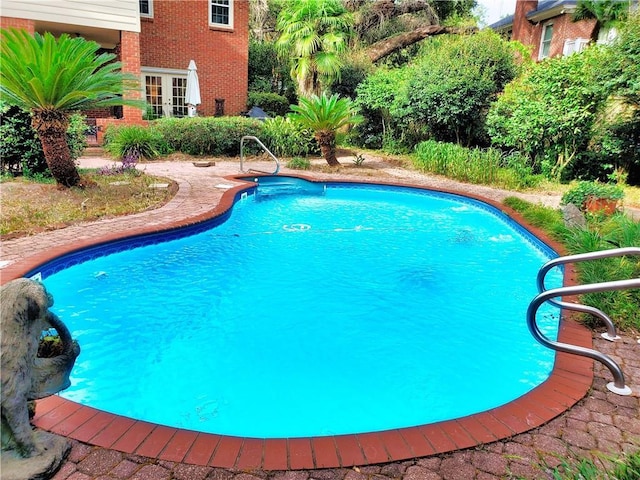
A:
x,y
420,254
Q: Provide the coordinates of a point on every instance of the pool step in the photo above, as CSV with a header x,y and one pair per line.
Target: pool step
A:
x,y
273,186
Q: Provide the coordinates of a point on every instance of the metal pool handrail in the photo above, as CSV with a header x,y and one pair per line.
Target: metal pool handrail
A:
x,y
257,140
611,333
618,385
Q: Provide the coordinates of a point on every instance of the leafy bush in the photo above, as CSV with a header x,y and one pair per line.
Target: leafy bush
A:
x,y
286,138
19,143
133,142
20,147
548,113
215,136
578,194
456,80
351,75
267,72
272,103
443,94
469,165
380,94
76,138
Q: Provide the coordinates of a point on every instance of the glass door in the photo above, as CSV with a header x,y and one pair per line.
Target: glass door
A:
x,y
165,94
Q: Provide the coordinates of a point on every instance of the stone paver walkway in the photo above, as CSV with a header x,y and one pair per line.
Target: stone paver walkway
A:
x,y
601,422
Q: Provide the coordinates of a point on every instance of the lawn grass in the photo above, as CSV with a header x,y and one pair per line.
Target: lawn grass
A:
x,y
31,207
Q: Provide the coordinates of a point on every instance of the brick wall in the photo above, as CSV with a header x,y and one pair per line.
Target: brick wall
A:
x,y
522,29
129,55
8,22
564,28
179,31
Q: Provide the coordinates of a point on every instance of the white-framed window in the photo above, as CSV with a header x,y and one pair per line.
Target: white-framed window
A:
x,y
574,45
221,13
545,41
146,8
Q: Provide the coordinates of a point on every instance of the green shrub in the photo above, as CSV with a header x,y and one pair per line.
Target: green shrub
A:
x,y
548,113
286,138
579,194
76,135
19,143
20,148
212,136
271,103
443,94
477,166
299,163
134,142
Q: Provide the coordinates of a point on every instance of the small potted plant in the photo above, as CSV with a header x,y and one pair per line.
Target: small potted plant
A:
x,y
594,197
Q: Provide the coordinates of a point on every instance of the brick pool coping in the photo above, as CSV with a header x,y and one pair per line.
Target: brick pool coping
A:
x,y
569,381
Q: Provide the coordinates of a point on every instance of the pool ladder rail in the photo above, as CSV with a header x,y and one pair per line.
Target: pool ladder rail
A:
x,y
267,151
618,385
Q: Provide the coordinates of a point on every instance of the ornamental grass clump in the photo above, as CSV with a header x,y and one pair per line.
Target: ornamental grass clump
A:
x,y
485,167
134,142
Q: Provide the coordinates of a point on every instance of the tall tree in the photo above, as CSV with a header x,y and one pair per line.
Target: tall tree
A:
x,y
53,78
314,34
387,26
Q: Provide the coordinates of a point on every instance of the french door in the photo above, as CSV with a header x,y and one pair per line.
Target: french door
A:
x,y
164,92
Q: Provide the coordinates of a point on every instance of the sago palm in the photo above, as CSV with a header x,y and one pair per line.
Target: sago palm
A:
x,y
53,78
606,12
314,34
325,115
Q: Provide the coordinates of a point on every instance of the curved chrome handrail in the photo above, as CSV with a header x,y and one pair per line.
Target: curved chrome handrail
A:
x,y
611,333
618,385
257,140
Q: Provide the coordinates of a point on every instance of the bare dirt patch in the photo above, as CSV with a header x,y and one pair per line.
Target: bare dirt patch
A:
x,y
29,208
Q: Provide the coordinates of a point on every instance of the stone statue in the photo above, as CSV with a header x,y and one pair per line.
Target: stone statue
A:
x,y
24,306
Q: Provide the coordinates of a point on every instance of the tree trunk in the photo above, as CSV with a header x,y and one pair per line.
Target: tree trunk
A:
x,y
51,127
327,142
389,45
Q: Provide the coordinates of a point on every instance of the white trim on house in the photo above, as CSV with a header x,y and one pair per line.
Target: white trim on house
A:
x,y
574,45
168,71
545,42
221,4
112,15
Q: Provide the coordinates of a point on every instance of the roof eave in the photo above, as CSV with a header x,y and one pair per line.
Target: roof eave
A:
x,y
539,16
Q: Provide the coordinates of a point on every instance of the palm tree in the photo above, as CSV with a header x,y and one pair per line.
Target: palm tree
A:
x,y
325,115
607,12
314,34
53,78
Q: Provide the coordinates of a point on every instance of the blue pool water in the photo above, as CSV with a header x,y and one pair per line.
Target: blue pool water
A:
x,y
351,309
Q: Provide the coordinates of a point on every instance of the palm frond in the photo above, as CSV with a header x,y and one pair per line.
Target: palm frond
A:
x,y
66,74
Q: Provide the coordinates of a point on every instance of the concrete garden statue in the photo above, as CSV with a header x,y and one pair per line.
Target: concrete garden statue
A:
x,y
28,453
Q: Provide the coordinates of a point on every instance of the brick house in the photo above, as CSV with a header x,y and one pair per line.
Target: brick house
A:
x,y
547,26
155,40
